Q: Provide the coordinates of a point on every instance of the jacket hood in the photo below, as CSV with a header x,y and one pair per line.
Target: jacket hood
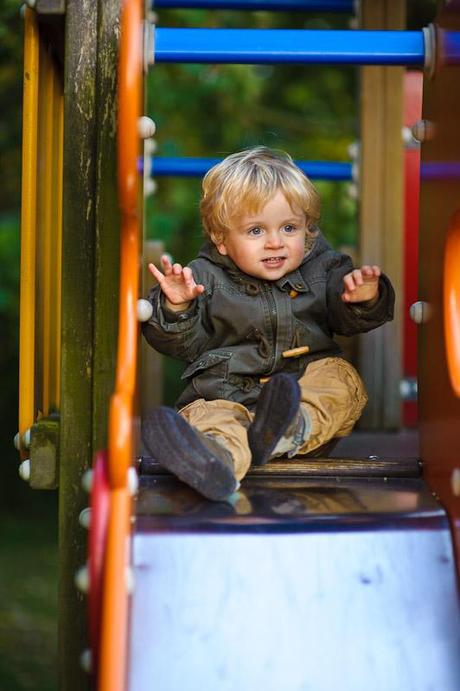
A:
x,y
315,246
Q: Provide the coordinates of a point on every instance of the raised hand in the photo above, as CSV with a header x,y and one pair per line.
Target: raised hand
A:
x,y
362,285
177,284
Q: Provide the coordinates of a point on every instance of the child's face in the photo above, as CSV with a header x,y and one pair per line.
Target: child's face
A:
x,y
270,243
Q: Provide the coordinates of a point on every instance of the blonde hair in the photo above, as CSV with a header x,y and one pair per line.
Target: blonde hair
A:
x,y
245,181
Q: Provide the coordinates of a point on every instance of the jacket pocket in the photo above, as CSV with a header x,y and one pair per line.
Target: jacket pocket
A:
x,y
209,374
205,362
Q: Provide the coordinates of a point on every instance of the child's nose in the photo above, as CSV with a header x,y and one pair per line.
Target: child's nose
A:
x,y
274,239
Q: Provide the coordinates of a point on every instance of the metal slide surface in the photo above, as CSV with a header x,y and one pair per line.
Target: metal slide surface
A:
x,y
295,584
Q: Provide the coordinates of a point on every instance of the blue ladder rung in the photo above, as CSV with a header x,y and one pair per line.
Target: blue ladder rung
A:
x,y
304,46
163,166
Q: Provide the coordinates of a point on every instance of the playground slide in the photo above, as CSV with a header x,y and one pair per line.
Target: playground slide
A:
x,y
336,574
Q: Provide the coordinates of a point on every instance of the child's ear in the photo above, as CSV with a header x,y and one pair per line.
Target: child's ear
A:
x,y
218,240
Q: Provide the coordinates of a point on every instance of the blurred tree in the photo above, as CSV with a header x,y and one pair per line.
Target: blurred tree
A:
x,y
10,189
11,91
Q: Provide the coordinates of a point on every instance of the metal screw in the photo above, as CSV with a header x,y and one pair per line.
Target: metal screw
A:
x,y
24,470
85,518
86,661
423,131
420,312
87,480
82,579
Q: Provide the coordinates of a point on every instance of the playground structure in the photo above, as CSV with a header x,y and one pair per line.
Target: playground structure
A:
x,y
78,387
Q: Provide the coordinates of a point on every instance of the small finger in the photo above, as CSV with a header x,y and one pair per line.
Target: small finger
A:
x,y
358,277
155,272
188,276
166,262
177,269
349,282
367,270
377,271
199,288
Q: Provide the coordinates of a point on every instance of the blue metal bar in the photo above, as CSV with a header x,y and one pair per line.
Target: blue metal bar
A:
x,y
197,167
440,170
271,5
450,47
257,46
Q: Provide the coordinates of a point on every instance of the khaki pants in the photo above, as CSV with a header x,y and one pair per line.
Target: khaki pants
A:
x,y
332,393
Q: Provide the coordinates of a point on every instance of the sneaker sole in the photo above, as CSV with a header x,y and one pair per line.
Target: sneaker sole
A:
x,y
176,446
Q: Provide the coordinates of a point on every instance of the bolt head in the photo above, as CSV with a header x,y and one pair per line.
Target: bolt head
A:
x,y
85,518
82,579
86,661
87,480
420,312
423,131
133,481
146,127
144,310
24,470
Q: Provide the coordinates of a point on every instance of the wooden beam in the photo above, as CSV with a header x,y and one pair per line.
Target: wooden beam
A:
x,y
78,243
381,215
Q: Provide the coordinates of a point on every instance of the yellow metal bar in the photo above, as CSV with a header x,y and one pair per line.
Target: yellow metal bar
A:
x,y
55,384
46,218
28,224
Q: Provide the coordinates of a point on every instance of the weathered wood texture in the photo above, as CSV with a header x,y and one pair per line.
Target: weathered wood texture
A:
x,y
44,451
150,371
319,467
107,227
89,313
381,215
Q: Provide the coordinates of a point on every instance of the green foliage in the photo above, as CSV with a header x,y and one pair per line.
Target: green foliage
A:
x,y
213,110
11,37
9,341
28,598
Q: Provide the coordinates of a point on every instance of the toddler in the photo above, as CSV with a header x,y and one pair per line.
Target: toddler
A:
x,y
254,316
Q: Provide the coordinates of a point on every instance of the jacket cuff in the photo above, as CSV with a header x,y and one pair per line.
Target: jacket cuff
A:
x,y
382,309
169,318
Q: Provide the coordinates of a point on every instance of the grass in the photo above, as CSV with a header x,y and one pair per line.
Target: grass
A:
x,y
28,597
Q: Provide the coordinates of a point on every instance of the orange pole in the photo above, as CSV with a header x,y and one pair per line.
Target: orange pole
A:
x,y
129,101
113,652
28,225
112,667
452,302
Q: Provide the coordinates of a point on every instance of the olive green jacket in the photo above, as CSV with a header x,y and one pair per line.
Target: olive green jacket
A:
x,y
235,333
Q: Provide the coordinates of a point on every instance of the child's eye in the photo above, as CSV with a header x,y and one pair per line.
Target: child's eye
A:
x,y
289,228
255,231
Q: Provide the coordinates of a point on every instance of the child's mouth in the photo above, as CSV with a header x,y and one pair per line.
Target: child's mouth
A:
x,y
273,261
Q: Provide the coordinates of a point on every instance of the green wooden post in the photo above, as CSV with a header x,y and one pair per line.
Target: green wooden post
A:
x,y
89,294
107,248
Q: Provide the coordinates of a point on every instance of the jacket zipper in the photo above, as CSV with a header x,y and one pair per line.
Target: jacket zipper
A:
x,y
272,311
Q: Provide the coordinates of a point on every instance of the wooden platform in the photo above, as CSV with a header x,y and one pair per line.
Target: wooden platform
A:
x,y
381,455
